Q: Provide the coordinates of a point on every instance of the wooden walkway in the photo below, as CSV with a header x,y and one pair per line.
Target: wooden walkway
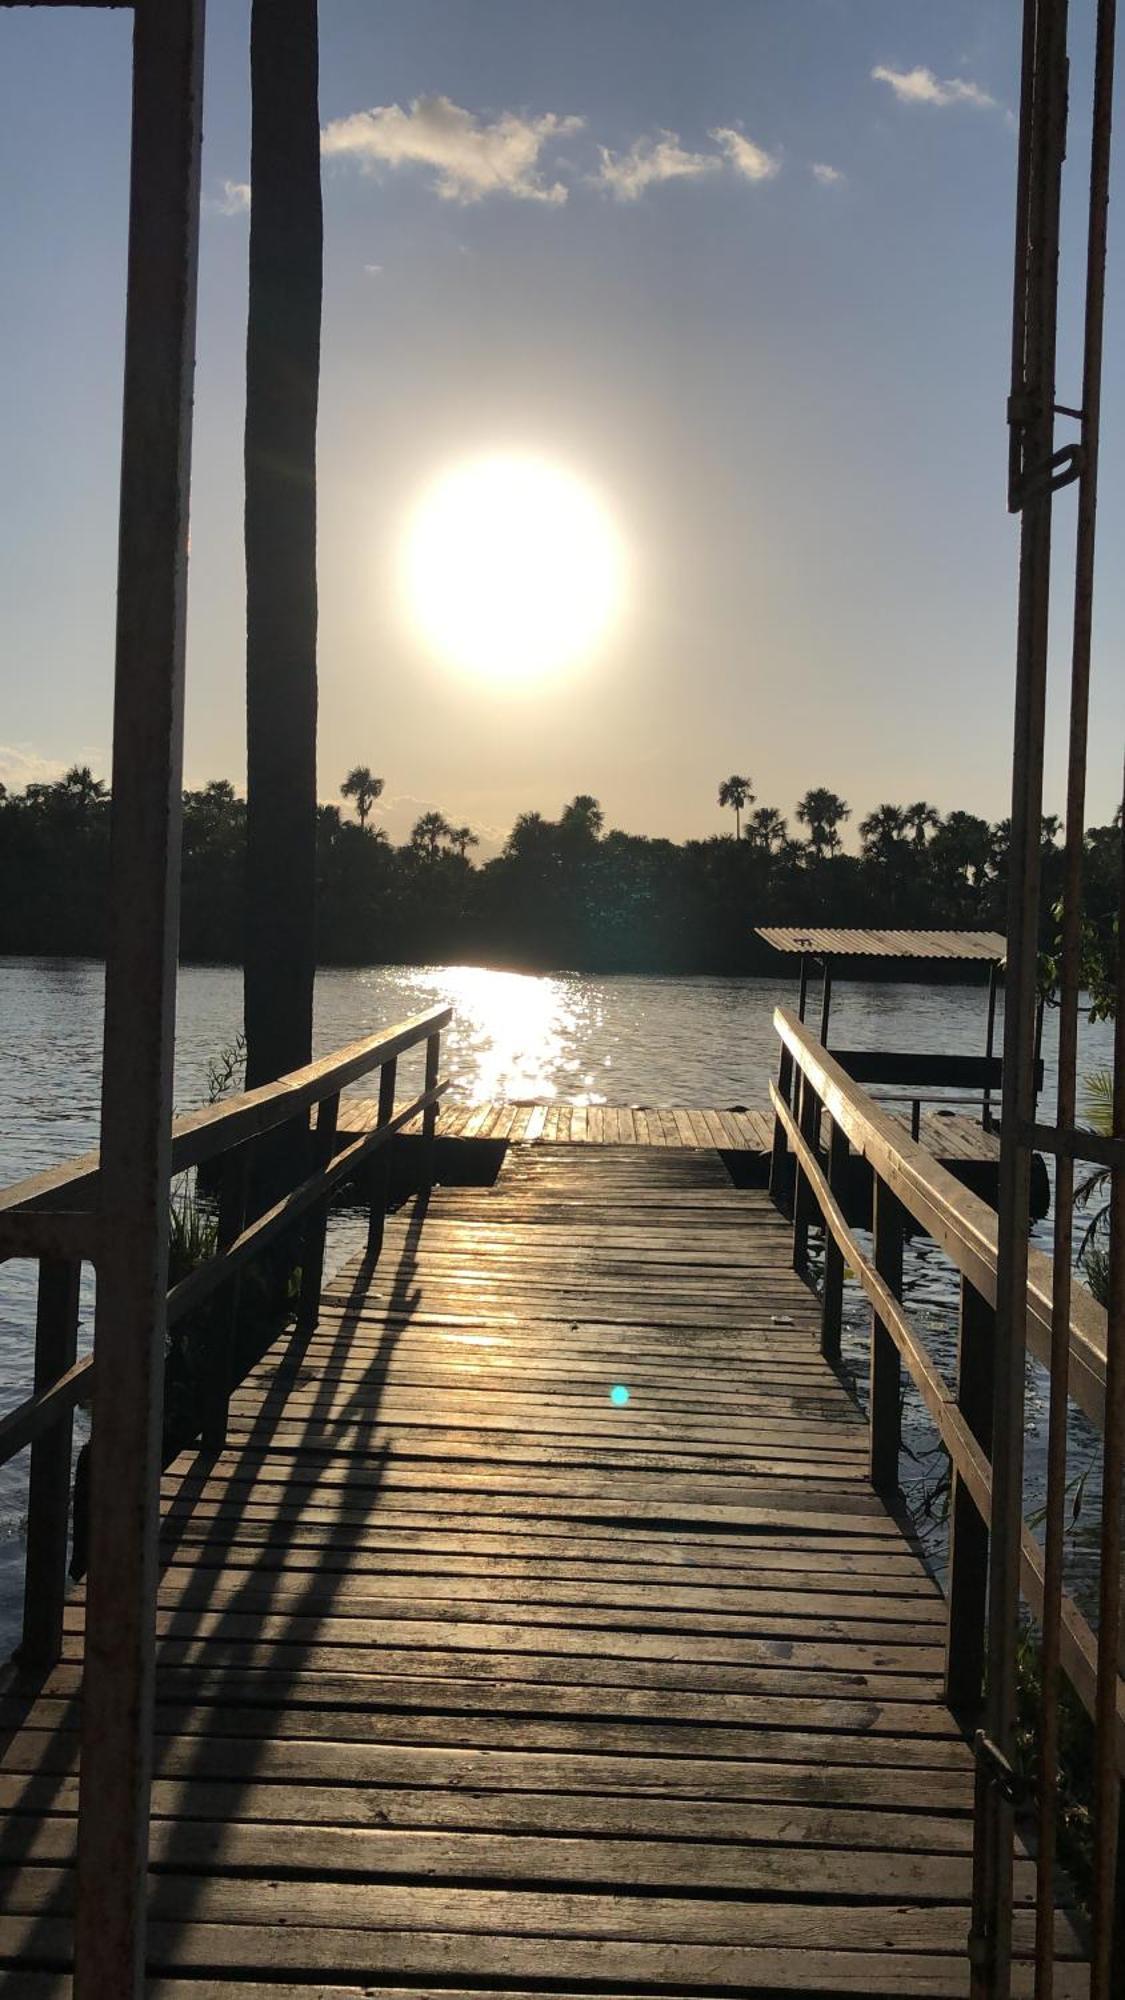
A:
x,y
475,1679
947,1135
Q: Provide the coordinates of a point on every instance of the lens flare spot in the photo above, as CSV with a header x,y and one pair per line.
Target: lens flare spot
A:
x,y
619,1394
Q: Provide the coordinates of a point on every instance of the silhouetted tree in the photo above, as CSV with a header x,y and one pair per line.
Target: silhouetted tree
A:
x,y
736,792
462,838
428,832
821,811
583,817
766,828
919,820
363,788
883,833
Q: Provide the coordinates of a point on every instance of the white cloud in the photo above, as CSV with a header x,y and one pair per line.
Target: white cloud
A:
x,y
921,86
234,200
20,765
650,162
373,270
471,157
747,159
827,176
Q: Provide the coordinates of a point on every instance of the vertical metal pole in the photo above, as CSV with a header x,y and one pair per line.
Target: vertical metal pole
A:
x,y
139,998
803,988
1042,141
1108,1901
48,1491
1069,996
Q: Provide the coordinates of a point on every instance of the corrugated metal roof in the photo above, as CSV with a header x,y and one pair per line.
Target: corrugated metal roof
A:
x,y
987,945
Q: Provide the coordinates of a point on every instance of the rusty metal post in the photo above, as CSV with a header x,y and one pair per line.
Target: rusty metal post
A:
x,y
140,992
1033,473
1069,1003
48,1490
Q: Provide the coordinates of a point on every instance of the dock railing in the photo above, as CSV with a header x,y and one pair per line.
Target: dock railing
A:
x,y
56,1219
822,1115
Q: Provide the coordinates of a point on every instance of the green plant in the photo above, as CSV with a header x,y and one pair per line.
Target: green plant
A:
x,y
227,1070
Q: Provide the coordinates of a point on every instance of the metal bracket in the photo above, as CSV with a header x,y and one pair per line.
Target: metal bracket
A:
x,y
996,1770
1061,469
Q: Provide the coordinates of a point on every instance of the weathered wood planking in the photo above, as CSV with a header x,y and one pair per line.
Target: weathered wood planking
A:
x,y
469,1676
947,1135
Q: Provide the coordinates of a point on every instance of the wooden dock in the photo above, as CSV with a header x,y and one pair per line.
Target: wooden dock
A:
x,y
948,1135
474,1676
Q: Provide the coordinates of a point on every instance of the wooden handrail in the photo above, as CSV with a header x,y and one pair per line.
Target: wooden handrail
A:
x,y
199,1136
56,1218
963,1225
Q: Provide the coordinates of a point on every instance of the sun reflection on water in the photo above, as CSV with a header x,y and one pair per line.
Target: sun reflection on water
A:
x,y
520,1035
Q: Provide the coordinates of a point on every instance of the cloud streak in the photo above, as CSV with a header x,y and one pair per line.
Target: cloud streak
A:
x,y
825,175
651,162
921,86
234,200
470,157
747,159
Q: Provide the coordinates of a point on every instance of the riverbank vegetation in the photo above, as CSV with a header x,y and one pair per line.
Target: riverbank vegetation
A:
x,y
566,891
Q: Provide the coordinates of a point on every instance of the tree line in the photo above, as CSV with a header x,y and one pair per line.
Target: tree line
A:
x,y
563,892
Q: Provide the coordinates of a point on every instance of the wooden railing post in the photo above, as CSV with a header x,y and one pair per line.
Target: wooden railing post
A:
x,y
233,1193
429,1115
316,1228
968,1533
379,1179
886,1363
804,1202
832,1297
48,1492
779,1152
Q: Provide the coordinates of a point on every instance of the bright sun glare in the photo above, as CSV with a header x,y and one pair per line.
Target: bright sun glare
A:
x,y
513,568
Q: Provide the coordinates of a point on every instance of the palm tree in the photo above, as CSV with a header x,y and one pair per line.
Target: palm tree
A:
x,y
766,828
883,833
427,834
736,792
81,789
821,811
962,847
363,788
462,838
919,820
282,385
582,817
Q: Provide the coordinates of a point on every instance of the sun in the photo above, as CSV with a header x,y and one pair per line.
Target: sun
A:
x,y
513,569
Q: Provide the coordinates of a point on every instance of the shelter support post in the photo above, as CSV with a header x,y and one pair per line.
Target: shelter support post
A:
x,y
139,998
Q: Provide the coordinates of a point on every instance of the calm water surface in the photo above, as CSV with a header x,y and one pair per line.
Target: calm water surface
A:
x,y
581,1039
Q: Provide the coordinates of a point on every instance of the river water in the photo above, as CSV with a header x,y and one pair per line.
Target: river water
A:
x,y
570,1036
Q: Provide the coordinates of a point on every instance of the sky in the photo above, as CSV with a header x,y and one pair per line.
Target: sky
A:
x,y
742,267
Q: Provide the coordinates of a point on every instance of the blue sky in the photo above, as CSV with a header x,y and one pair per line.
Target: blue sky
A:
x,y
591,229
